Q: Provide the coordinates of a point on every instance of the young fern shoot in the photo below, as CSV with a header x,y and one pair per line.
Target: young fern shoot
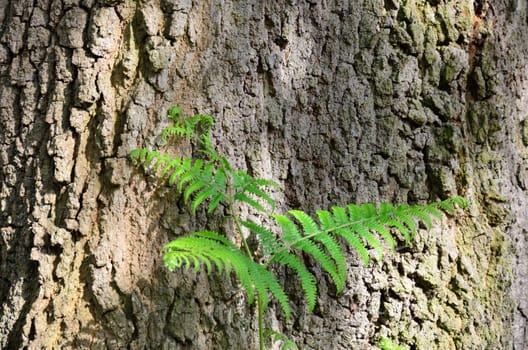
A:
x,y
212,180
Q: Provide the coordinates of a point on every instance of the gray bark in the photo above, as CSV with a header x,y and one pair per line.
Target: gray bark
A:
x,y
338,101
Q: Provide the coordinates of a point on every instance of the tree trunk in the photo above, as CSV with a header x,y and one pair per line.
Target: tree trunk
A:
x,y
339,101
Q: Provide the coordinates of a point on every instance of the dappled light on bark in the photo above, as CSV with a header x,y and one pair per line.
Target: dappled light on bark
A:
x,y
340,102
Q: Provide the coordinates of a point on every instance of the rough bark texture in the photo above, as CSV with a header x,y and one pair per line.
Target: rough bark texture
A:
x,y
339,101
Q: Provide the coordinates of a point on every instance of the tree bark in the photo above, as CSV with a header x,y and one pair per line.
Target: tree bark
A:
x,y
339,101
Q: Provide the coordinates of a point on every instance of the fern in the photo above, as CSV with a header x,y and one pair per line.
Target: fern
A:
x,y
210,248
270,243
252,191
203,179
211,179
193,127
388,344
308,281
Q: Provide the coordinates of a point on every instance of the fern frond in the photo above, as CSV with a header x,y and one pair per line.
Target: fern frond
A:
x,y
209,192
266,281
385,211
216,199
213,179
268,183
356,243
259,280
400,228
308,224
269,241
330,225
193,187
322,236
279,294
161,159
190,175
419,213
356,224
175,131
433,212
290,231
197,126
153,160
174,113
260,193
404,215
325,218
184,167
173,163
198,179
360,212
204,121
210,248
206,245
207,147
364,233
137,156
246,187
308,281
375,226
292,236
450,204
242,197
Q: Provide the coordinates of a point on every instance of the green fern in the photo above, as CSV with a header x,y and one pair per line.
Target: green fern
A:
x,y
194,127
212,249
388,344
251,190
212,180
203,179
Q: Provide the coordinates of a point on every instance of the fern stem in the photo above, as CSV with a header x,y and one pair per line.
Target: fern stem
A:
x,y
260,322
244,241
232,209
238,225
260,310
290,245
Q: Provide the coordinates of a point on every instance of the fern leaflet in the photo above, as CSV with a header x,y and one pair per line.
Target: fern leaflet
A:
x,y
293,239
251,190
270,243
308,281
